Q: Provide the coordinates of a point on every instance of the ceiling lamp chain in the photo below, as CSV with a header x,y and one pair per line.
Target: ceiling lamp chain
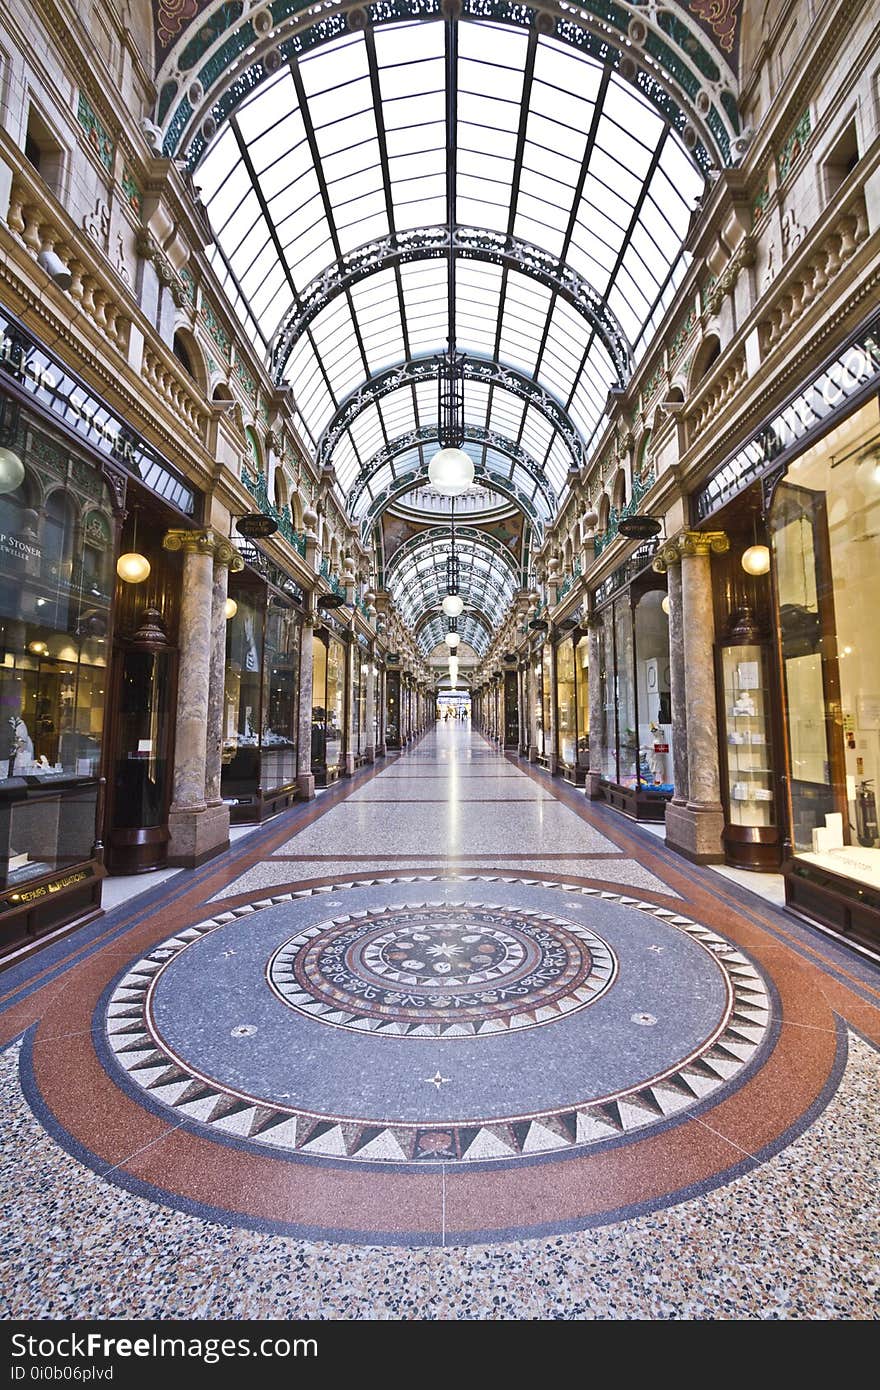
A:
x,y
451,471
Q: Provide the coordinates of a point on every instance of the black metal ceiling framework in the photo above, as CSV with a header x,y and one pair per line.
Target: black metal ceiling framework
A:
x,y
488,573
384,478
474,630
538,132
494,374
465,243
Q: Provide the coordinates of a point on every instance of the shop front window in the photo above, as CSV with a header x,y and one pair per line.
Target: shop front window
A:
x,y
240,772
280,682
565,703
653,693
328,709
607,760
627,726
582,674
825,528
538,704
56,583
260,699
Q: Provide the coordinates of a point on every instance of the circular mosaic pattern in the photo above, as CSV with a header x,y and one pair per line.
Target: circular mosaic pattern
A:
x,y
303,1089
459,971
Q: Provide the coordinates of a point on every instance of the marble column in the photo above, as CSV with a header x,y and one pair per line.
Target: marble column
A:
x,y
694,826
197,830
305,780
597,713
226,561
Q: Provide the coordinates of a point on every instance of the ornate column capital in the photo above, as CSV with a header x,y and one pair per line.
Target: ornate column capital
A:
x,y
221,550
689,543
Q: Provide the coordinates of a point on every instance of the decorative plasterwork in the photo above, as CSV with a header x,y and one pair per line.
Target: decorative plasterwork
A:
x,y
149,248
743,256
219,548
688,543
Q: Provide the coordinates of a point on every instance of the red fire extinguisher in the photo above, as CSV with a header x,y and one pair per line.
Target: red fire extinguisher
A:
x,y
866,814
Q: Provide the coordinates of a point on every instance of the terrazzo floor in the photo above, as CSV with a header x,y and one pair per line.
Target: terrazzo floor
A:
x,y
449,1043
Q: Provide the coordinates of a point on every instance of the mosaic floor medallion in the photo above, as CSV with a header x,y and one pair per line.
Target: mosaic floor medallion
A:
x,y
442,972
475,1042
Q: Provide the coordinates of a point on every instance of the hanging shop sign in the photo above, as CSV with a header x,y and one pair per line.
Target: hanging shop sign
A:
x,y
639,528
848,379
41,375
256,526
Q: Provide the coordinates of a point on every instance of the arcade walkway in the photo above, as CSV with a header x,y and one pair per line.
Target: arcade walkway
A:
x,y
449,1042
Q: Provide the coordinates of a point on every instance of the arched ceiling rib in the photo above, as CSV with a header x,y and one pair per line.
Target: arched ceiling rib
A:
x,y
500,462
497,397
473,630
521,129
433,243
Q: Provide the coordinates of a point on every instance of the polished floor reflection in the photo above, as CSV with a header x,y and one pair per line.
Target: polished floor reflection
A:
x,y
449,1042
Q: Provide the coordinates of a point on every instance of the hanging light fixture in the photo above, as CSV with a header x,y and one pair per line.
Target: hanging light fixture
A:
x,y
231,608
132,567
664,604
452,639
11,471
453,605
756,559
450,471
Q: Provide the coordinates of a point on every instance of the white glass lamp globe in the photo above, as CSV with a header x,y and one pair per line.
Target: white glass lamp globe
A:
x,y
452,639
452,605
664,604
451,472
133,568
756,560
231,608
11,470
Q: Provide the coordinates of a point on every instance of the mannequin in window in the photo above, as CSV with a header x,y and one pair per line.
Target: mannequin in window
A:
x,y
22,751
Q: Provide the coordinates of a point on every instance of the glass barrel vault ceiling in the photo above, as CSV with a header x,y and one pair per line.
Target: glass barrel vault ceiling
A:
x,y
416,577
352,144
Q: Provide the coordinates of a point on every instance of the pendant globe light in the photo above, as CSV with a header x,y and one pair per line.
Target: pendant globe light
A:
x,y
453,605
132,567
756,559
11,471
451,471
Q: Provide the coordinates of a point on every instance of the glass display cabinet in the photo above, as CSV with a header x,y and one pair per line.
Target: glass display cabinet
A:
x,y
751,832
328,706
